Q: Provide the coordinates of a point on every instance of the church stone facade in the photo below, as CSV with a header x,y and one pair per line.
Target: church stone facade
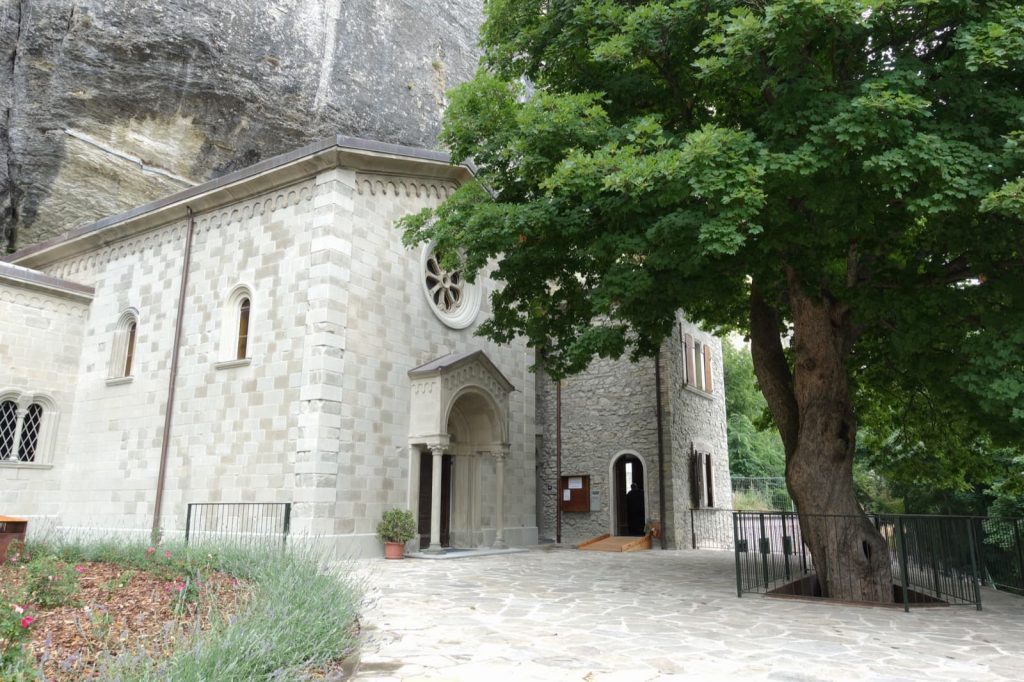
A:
x,y
266,337
611,415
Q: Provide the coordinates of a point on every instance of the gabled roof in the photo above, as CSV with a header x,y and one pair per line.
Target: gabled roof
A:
x,y
447,363
366,155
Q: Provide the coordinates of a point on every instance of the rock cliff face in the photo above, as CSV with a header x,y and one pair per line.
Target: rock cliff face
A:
x,y
106,104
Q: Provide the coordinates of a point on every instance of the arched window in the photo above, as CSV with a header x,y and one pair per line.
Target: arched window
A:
x,y
26,433
123,358
30,427
8,428
236,329
129,353
243,329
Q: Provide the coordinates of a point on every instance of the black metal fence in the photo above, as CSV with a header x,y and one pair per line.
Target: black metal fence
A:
x,y
1000,552
933,559
242,522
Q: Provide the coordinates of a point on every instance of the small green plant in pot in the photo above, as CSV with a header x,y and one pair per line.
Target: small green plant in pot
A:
x,y
396,528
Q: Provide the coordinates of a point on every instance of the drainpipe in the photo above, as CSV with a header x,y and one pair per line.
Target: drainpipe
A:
x,y
558,462
165,441
661,452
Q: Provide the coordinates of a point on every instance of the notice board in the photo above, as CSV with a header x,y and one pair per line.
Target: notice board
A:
x,y
574,493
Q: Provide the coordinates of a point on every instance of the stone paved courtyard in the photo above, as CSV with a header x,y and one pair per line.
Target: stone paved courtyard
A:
x,y
560,614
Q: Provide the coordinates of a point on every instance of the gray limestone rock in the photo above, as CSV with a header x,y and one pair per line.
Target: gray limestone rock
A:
x,y
106,104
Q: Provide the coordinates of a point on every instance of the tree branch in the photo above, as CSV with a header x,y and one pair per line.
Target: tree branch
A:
x,y
772,369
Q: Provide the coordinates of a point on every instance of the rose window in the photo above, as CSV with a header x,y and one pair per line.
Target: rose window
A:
x,y
445,288
452,299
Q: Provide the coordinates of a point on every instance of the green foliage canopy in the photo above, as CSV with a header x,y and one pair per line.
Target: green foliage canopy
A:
x,y
638,158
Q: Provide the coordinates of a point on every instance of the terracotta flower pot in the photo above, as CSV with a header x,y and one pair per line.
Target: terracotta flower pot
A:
x,y
394,550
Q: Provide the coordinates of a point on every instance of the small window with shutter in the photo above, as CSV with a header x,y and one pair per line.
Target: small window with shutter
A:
x,y
697,364
702,480
706,361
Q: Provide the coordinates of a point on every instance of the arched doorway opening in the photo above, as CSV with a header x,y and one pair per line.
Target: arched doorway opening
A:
x,y
474,430
630,495
458,437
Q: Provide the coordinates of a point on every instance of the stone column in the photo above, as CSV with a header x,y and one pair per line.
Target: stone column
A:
x,y
474,512
19,422
435,502
499,521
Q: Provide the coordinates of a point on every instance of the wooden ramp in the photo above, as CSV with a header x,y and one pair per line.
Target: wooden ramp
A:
x,y
614,543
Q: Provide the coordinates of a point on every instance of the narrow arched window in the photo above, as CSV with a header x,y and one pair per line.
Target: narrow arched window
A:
x,y
123,347
236,329
30,433
129,353
243,329
8,428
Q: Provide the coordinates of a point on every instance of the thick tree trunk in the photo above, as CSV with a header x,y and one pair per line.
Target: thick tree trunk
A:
x,y
814,411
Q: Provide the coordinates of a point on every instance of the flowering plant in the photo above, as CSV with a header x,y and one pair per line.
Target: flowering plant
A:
x,y
15,624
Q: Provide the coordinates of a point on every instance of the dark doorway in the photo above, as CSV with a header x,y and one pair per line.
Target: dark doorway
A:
x,y
426,483
629,500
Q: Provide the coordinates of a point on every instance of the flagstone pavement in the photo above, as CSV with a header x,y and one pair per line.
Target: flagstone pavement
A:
x,y
560,614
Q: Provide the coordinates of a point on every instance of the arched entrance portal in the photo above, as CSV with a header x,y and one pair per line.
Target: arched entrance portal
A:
x,y
459,441
630,495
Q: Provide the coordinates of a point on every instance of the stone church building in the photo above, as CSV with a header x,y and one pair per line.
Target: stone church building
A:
x,y
266,337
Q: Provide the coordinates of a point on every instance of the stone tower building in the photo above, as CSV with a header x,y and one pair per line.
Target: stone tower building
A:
x,y
609,428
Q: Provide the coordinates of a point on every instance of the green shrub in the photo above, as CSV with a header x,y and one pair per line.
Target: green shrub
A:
x,y
397,525
750,500
50,583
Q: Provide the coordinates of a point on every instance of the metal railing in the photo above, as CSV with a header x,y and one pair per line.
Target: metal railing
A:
x,y
1000,552
756,493
245,522
932,559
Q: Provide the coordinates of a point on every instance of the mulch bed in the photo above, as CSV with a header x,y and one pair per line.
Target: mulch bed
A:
x,y
119,611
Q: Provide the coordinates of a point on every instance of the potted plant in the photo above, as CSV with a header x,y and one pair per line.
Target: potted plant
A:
x,y
396,528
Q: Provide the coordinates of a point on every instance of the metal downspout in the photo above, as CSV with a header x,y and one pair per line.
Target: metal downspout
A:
x,y
661,452
165,441
558,462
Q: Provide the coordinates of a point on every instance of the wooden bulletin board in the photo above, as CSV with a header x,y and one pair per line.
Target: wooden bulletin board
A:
x,y
574,493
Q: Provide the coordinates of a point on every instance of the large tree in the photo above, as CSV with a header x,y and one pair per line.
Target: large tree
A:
x,y
845,175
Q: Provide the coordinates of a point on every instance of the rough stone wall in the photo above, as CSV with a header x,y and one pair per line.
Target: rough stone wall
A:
x,y
148,97
698,420
609,409
36,323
